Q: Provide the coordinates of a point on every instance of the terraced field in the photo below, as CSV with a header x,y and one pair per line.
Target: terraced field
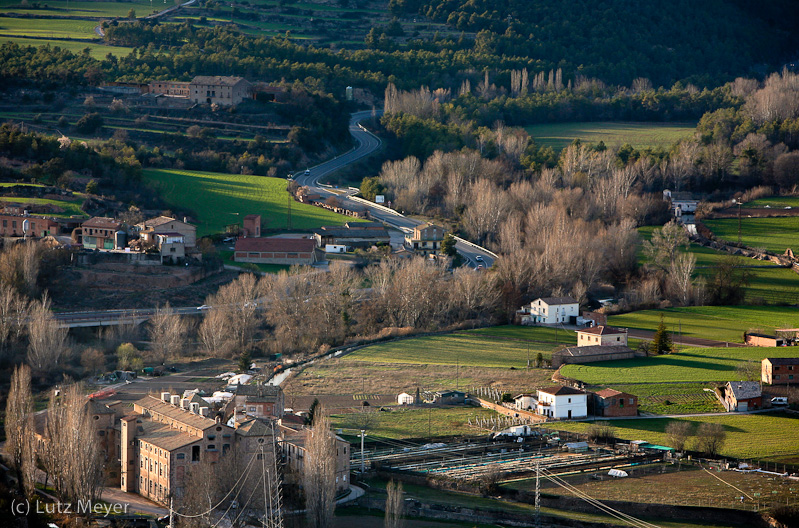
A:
x,y
696,365
772,234
222,199
52,28
723,323
69,8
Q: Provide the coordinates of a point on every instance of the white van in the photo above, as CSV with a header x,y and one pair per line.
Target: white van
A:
x,y
779,400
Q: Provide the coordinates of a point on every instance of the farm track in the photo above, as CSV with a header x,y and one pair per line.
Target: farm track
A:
x,y
648,335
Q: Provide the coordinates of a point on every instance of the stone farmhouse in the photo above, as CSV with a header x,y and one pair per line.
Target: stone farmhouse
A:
x,y
13,225
610,402
206,89
779,371
743,396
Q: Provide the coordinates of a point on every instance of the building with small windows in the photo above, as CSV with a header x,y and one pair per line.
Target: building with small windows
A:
x,y
743,396
779,371
425,239
549,311
610,402
221,90
162,225
562,403
98,233
292,444
288,251
162,438
602,335
14,225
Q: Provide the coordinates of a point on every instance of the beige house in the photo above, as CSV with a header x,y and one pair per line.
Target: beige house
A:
x,y
426,239
170,88
602,335
171,247
225,91
163,225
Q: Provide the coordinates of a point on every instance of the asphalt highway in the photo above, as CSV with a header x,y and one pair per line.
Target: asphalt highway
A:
x,y
366,144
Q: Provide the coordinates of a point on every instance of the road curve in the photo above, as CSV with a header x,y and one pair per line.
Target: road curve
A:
x,y
366,144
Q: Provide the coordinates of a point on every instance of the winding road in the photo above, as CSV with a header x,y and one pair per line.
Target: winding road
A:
x,y
366,144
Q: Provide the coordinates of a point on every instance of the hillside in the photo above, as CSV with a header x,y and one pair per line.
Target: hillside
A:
x,y
620,40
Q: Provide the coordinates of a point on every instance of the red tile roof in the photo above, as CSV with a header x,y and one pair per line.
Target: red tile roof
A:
x,y
281,245
102,223
560,390
602,330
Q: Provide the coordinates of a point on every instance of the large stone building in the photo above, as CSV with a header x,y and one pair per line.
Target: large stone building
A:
x,y
221,90
163,438
170,88
293,442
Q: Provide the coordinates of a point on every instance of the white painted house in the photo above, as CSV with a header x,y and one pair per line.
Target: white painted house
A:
x,y
550,310
562,403
525,402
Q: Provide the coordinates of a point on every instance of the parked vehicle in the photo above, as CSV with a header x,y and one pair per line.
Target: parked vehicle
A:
x,y
779,400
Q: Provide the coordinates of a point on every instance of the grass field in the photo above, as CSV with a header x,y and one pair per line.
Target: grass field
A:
x,y
672,398
47,28
501,347
775,202
723,323
70,207
221,199
752,436
639,135
769,283
98,51
690,365
64,8
772,234
420,423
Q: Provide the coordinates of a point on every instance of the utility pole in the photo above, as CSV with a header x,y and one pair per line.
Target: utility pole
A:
x,y
538,493
363,463
457,373
528,355
739,222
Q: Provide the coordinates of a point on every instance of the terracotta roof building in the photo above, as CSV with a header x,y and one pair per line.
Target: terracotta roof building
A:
x,y
602,335
779,371
610,402
590,354
287,251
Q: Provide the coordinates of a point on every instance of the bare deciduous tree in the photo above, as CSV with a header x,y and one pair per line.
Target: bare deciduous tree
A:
x,y
70,429
47,341
710,438
12,308
394,505
213,331
19,429
677,434
680,276
167,333
319,472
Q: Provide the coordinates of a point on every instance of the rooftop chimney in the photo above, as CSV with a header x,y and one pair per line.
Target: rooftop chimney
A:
x,y
184,403
165,397
175,399
204,411
195,407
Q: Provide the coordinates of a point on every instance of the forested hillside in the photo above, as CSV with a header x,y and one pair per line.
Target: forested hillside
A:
x,y
620,40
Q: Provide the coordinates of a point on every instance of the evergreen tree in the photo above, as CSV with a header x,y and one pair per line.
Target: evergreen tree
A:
x,y
245,360
661,343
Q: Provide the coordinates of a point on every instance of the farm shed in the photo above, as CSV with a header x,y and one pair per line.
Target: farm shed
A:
x,y
763,340
405,399
742,396
779,371
450,397
610,402
275,250
590,354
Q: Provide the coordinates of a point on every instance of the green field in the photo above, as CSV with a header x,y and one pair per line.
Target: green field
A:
x,y
227,259
689,365
759,436
722,323
218,200
639,135
769,283
772,234
53,28
414,423
64,8
502,347
671,398
774,202
97,51
71,208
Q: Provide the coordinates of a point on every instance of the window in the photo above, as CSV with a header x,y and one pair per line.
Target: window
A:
x,y
195,453
251,409
101,433
790,376
777,377
181,456
632,401
225,448
211,446
211,437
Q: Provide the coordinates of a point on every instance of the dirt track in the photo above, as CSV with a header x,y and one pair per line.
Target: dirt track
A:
x,y
689,341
